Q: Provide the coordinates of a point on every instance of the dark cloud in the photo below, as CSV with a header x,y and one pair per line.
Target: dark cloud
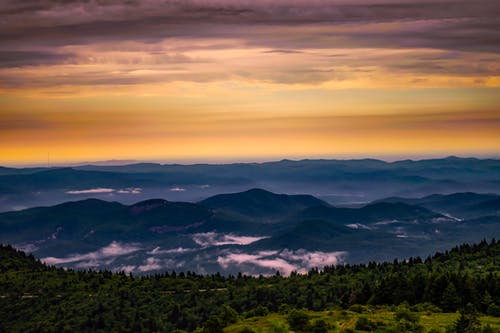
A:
x,y
472,25
30,58
283,51
42,32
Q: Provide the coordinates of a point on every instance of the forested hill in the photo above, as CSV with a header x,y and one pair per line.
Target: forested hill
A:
x,y
39,298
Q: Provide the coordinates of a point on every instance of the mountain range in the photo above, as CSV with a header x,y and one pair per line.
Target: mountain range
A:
x,y
254,231
338,182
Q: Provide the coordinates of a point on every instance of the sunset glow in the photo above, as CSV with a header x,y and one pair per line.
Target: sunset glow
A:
x,y
228,80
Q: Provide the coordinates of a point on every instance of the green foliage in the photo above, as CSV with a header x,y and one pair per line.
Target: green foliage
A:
x,y
357,308
298,320
403,313
319,326
451,300
213,325
228,315
39,298
259,311
278,326
365,324
468,321
493,310
247,330
284,309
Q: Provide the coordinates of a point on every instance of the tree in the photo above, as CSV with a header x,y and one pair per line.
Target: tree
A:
x,y
451,300
228,315
213,325
468,321
298,320
319,326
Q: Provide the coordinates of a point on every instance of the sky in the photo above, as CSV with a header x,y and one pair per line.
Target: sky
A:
x,y
221,80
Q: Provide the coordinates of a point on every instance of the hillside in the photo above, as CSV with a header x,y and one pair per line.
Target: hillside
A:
x,y
459,205
258,203
216,234
40,298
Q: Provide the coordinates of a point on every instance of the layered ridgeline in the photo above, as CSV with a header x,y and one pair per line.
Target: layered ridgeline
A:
x,y
347,298
254,232
336,181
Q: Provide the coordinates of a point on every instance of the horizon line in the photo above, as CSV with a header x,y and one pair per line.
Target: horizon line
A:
x,y
215,161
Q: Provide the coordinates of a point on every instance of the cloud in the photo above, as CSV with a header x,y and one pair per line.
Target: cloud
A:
x,y
91,191
130,190
26,247
285,261
155,264
151,264
214,239
125,268
177,189
31,58
178,250
114,249
116,43
358,226
76,23
313,259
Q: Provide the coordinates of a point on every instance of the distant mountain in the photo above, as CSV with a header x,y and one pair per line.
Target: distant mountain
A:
x,y
96,221
308,234
461,205
373,213
258,203
258,229
490,207
336,181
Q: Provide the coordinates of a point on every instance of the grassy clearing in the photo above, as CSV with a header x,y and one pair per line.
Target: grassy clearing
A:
x,y
345,321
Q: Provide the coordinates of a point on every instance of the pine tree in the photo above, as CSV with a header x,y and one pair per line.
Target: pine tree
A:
x,y
451,299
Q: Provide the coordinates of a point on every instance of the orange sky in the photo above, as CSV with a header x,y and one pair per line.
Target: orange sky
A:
x,y
400,81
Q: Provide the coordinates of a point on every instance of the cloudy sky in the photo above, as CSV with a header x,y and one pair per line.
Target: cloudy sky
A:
x,y
221,80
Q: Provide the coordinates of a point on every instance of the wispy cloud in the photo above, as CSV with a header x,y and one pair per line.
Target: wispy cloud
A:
x,y
113,40
177,189
91,191
99,190
130,190
155,264
114,249
216,239
151,264
125,268
285,261
179,250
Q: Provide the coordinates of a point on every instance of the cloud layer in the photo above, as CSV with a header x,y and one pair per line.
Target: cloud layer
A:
x,y
213,79
100,190
215,239
284,261
150,42
94,259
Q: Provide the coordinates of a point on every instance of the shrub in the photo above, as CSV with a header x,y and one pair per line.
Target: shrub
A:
x,y
493,310
364,324
298,320
403,313
213,325
357,308
319,326
278,326
259,311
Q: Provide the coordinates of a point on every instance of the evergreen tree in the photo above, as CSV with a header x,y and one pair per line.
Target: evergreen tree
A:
x,y
451,300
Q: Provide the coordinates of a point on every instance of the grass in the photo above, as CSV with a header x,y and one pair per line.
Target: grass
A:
x,y
345,320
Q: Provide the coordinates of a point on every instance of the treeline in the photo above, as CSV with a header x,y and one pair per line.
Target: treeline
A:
x,y
39,298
